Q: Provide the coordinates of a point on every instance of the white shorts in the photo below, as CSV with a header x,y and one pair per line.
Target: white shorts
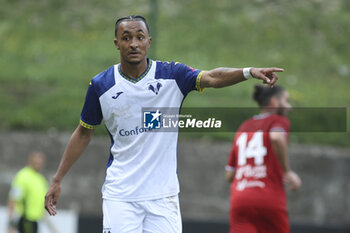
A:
x,y
153,216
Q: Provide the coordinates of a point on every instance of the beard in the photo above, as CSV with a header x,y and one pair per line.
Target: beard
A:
x,y
282,111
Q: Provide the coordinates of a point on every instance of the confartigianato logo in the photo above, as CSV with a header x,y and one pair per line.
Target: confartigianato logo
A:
x,y
136,131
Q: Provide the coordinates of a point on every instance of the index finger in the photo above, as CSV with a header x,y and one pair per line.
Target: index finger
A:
x,y
274,69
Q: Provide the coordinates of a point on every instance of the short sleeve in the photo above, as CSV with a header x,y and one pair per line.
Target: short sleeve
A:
x,y
281,124
187,78
17,189
91,115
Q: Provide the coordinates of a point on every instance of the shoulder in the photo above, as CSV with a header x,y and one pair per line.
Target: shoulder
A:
x,y
166,65
279,118
103,81
21,176
23,172
165,69
104,76
171,69
277,121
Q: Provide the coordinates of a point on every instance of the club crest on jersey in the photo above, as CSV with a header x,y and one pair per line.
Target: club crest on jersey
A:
x,y
155,87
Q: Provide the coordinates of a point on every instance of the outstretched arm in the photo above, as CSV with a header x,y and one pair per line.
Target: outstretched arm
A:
x,y
76,145
280,146
223,77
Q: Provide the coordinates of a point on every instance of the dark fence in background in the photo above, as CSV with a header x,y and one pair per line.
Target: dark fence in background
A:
x,y
90,224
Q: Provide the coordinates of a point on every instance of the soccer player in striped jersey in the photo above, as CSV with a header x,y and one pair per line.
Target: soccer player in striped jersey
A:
x,y
140,192
258,167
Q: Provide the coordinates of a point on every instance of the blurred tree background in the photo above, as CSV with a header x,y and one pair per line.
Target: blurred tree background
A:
x,y
50,49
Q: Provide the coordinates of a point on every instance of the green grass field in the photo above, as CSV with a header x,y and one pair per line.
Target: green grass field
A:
x,y
51,49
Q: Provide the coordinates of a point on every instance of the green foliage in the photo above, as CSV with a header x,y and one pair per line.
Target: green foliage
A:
x,y
51,49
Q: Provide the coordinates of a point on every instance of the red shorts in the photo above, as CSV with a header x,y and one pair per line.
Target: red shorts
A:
x,y
258,220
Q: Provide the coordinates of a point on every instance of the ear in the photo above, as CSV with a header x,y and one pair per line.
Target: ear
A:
x,y
116,44
149,42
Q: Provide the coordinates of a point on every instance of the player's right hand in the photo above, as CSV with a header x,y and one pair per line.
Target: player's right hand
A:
x,y
51,197
292,179
267,75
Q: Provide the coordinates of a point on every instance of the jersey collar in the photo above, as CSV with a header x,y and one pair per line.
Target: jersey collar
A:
x,y
262,115
133,80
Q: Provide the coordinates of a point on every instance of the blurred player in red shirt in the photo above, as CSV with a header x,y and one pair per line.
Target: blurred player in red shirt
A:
x,y
258,167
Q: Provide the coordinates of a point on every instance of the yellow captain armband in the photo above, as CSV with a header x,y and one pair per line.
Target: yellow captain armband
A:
x,y
87,126
198,82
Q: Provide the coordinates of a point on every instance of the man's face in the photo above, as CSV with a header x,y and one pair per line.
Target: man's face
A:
x,y
37,161
133,41
283,104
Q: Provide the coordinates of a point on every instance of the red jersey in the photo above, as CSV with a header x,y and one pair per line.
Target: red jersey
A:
x,y
258,172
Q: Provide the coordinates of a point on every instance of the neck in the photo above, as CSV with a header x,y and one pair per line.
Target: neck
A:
x,y
133,70
33,168
268,110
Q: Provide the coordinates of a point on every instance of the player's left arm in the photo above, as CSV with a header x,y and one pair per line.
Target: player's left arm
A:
x,y
280,146
223,77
